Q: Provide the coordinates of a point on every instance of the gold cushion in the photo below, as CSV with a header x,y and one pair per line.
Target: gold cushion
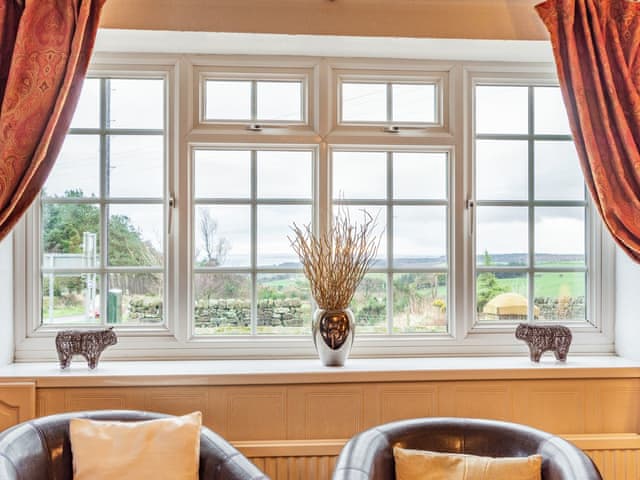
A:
x,y
424,465
167,448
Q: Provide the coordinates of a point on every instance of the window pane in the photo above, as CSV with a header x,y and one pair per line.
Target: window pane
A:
x,y
557,172
136,234
280,101
284,174
76,171
414,103
550,113
502,237
70,299
222,303
560,233
419,236
70,235
222,173
134,298
359,175
420,303
274,225
560,296
502,170
136,103
228,100
222,236
501,109
284,304
358,214
364,102
136,166
87,114
502,296
369,304
419,176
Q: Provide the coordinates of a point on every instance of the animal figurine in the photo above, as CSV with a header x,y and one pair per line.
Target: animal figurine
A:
x,y
543,338
88,343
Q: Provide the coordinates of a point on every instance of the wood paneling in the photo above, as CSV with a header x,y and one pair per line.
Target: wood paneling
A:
x,y
17,403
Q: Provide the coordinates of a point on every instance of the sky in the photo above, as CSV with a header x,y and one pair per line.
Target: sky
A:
x,y
135,168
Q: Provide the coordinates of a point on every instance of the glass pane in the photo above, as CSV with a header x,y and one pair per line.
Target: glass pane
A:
x,y
136,166
369,304
419,175
502,237
136,234
222,236
87,114
284,174
419,236
70,299
136,103
364,102
560,236
359,175
420,303
560,296
414,103
76,172
227,100
274,226
70,235
502,170
550,113
222,173
280,101
284,304
502,109
358,214
134,299
502,296
558,175
222,304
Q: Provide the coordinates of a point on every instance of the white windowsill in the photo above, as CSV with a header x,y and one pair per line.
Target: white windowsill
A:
x,y
262,372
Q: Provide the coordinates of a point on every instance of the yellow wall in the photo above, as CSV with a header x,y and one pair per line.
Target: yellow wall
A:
x,y
486,19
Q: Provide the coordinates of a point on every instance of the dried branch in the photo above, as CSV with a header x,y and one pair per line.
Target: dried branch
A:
x,y
335,262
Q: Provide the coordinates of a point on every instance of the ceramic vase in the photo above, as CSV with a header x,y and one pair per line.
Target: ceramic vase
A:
x,y
333,332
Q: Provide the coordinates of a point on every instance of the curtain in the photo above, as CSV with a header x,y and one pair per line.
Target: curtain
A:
x,y
596,44
44,54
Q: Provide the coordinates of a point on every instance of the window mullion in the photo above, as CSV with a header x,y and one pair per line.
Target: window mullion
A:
x,y
105,92
531,212
389,234
254,242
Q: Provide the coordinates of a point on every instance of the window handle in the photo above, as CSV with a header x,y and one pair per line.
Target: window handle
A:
x,y
254,127
172,204
471,215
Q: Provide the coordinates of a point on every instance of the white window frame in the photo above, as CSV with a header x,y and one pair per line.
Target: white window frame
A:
x,y
184,74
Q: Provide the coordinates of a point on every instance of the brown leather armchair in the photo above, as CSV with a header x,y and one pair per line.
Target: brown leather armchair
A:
x,y
369,455
40,450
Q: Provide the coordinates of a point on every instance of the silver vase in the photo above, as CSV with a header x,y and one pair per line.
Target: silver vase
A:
x,y
333,332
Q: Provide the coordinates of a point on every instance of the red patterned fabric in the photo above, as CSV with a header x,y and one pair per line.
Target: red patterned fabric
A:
x,y
44,54
596,44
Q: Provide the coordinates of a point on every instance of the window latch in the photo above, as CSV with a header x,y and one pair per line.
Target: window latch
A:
x,y
172,204
254,127
391,129
472,216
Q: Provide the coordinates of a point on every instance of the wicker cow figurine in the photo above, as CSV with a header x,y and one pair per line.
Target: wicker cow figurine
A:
x,y
544,338
88,343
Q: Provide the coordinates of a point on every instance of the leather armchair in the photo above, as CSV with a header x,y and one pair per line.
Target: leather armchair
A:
x,y
369,455
40,450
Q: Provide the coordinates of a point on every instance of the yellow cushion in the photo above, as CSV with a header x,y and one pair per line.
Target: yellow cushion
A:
x,y
167,448
423,465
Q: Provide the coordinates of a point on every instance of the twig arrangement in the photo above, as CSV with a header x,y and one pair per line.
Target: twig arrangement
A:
x,y
336,261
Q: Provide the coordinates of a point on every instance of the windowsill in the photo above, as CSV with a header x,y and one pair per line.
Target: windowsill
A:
x,y
263,372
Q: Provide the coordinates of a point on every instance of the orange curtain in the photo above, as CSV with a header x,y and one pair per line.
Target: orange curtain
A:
x,y
44,54
596,44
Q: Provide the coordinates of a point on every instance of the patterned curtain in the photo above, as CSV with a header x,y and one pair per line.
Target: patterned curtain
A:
x,y
44,53
596,44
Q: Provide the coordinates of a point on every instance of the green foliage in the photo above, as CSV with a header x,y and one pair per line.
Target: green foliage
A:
x,y
488,285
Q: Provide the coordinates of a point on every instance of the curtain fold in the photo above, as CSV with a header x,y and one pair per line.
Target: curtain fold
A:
x,y
596,49
44,55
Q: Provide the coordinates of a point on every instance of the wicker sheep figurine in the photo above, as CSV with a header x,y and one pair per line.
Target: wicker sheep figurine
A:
x,y
88,343
543,338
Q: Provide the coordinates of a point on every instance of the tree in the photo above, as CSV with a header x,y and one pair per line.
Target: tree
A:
x,y
215,248
488,286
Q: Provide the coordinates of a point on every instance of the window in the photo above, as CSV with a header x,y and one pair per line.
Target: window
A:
x,y
168,212
102,210
531,215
